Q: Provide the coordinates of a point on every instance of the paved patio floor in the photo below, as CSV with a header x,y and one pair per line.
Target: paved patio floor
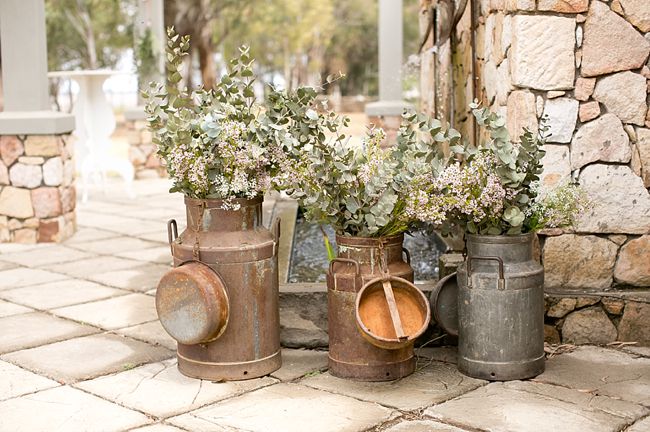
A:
x,y
81,349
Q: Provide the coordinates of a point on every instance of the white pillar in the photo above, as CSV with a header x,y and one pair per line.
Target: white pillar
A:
x,y
24,55
24,71
390,50
390,102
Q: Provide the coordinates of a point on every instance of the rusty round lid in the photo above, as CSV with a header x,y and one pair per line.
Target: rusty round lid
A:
x,y
192,303
444,304
391,312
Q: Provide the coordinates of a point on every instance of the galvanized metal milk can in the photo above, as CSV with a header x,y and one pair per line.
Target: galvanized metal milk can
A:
x,y
220,302
358,265
500,309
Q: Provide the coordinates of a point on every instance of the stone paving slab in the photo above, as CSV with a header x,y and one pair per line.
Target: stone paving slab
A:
x,y
423,426
160,255
83,235
640,426
45,255
447,354
602,371
159,389
62,293
8,309
87,357
7,265
36,328
435,383
158,427
17,381
151,332
114,313
142,278
86,268
20,277
115,245
638,350
524,406
138,226
297,363
66,409
286,408
157,236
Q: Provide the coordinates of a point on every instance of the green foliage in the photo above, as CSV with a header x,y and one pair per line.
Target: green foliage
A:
x,y
146,60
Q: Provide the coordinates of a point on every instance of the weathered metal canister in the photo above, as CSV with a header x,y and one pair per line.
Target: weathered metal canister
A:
x,y
500,309
220,302
350,354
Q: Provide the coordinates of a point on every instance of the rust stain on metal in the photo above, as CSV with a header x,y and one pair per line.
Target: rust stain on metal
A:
x,y
350,355
234,246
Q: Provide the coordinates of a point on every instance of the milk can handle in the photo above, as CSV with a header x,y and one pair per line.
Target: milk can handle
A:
x,y
346,261
408,255
172,227
501,284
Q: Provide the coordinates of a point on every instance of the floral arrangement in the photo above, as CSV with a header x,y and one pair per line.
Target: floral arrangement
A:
x,y
217,143
361,190
494,189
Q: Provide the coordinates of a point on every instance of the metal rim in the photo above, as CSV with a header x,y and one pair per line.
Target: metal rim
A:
x,y
215,293
500,239
447,282
369,242
392,343
217,203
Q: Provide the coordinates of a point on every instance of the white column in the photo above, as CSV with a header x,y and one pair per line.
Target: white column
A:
x,y
390,61
24,71
390,50
24,55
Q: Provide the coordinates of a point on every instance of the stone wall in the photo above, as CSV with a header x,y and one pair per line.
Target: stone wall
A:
x,y
37,191
142,151
583,64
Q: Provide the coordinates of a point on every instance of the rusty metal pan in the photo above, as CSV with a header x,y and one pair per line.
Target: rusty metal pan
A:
x,y
444,304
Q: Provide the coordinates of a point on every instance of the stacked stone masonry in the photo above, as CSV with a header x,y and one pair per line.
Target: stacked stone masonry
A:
x,y
142,151
37,191
584,66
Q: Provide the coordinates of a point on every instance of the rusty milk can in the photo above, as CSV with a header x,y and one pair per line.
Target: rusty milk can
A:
x,y
359,265
220,302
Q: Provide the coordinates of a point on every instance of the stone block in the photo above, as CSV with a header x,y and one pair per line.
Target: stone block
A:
x,y
635,324
4,174
68,198
637,13
519,5
26,176
42,145
563,6
46,201
613,306
603,139
68,172
555,94
623,94
10,149
621,203
422,426
562,114
643,149
153,161
542,54
17,382
611,44
588,326
48,231
136,156
557,165
16,202
584,88
633,265
551,335
561,307
31,160
53,171
589,111
25,236
521,113
578,262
